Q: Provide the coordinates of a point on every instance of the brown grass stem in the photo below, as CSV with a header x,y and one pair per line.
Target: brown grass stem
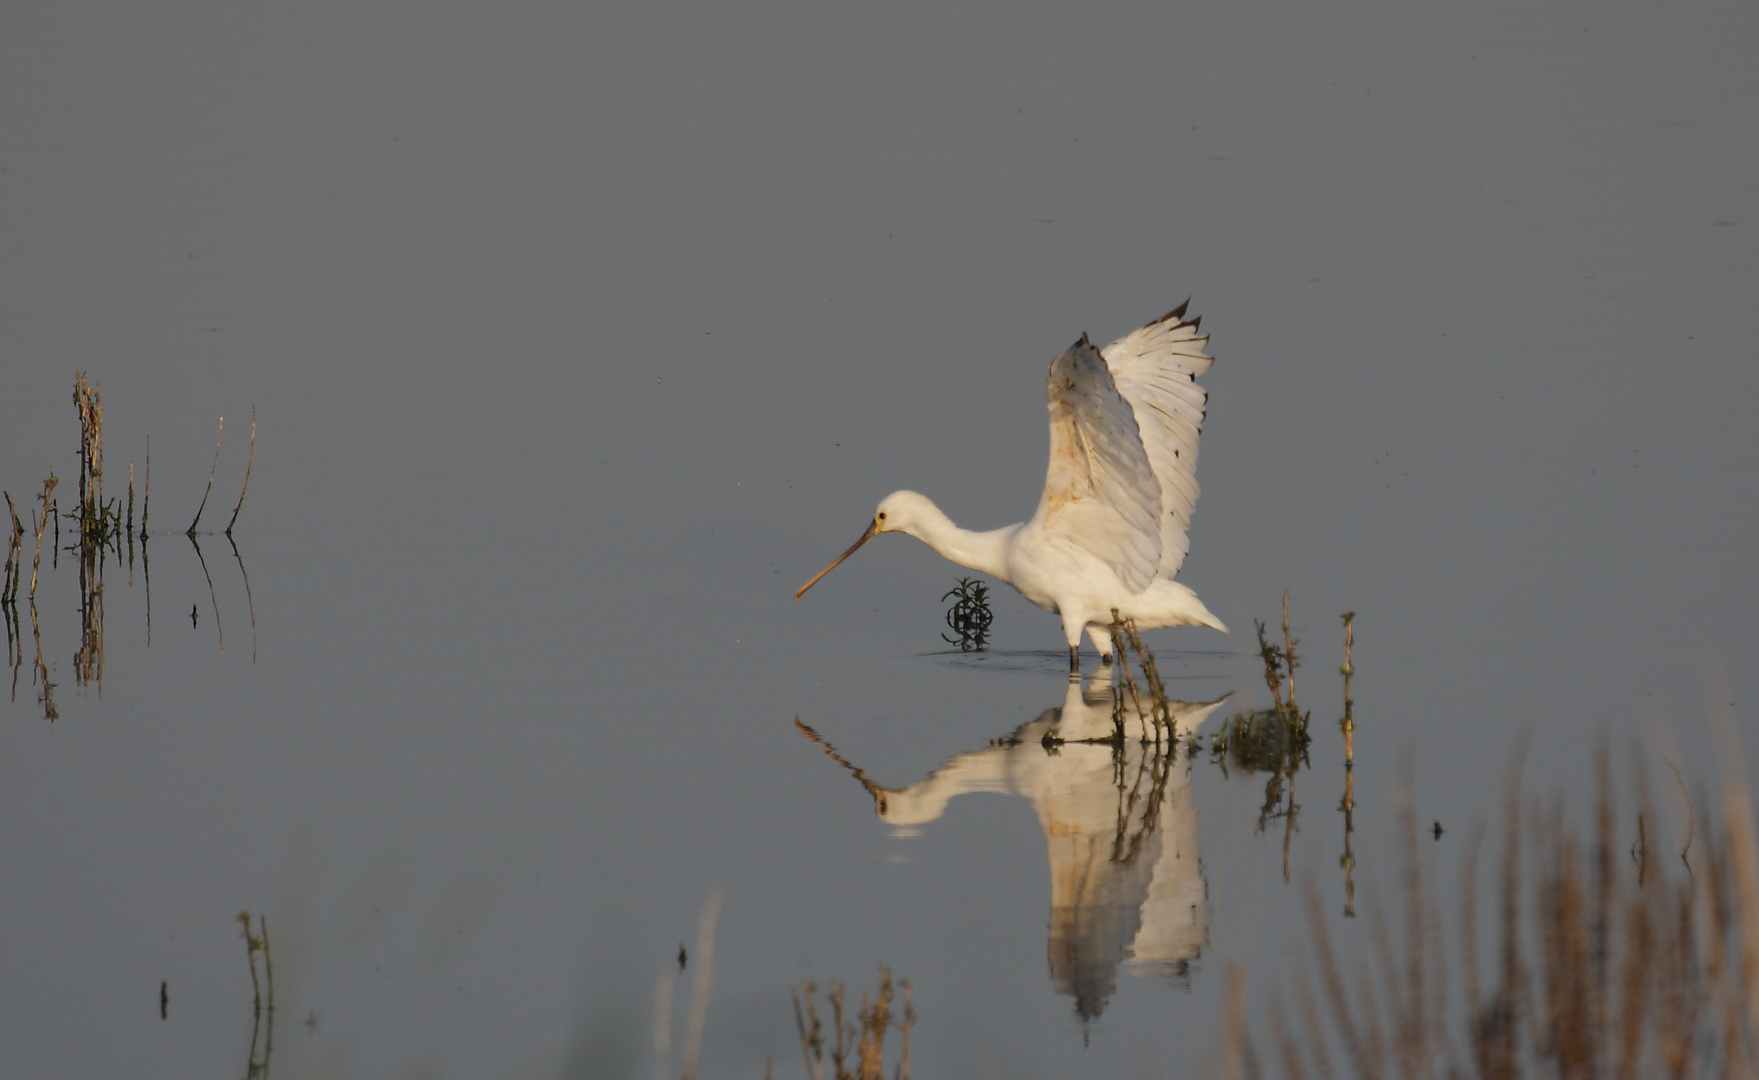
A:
x,y
211,470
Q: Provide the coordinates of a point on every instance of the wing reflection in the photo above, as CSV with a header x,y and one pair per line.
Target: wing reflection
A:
x,y
1120,830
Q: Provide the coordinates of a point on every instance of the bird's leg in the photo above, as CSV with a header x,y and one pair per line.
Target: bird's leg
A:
x,y
1074,661
1101,637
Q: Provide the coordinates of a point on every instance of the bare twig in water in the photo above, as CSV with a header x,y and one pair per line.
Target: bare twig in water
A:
x,y
211,470
147,494
247,467
251,945
14,555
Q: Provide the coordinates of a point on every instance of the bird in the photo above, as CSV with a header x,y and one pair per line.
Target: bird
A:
x,y
1110,530
1127,885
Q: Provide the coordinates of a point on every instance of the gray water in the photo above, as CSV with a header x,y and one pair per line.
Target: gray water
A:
x,y
580,335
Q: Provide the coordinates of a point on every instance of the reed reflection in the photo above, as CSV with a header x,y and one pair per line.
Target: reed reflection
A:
x,y
1120,826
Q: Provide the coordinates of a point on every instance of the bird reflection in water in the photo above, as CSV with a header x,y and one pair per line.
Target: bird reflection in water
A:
x,y
1120,830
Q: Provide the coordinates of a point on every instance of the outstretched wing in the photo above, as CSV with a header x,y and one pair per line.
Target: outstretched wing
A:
x,y
1100,491
1156,370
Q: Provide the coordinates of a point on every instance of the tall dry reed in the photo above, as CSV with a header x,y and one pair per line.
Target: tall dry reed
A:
x,y
1612,957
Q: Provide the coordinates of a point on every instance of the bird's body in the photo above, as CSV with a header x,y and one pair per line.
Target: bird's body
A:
x,y
1110,530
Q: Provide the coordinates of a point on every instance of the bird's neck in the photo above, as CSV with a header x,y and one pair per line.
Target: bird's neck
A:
x,y
984,552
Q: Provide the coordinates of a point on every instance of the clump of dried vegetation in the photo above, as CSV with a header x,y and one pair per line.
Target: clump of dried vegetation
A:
x,y
102,527
857,1049
1611,958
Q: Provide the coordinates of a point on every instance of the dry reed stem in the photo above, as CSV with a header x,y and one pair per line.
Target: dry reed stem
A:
x,y
1117,629
249,462
14,555
1287,1047
864,1040
1333,982
1157,692
662,1034
1638,974
39,522
811,1039
1312,1031
91,442
909,1023
147,494
1738,824
705,978
211,470
1233,1025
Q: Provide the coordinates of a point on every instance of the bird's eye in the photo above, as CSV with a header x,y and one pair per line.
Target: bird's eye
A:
x,y
882,516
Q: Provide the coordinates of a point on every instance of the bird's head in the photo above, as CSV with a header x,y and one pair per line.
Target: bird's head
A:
x,y
901,511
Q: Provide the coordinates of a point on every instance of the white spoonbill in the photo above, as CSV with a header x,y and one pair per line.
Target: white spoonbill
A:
x,y
1110,529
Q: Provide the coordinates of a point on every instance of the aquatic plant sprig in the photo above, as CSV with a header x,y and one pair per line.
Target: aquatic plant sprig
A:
x,y
970,616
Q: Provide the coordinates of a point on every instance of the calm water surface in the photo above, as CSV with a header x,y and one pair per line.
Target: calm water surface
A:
x,y
580,336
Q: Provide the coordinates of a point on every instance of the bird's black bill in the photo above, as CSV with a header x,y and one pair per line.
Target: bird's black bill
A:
x,y
872,531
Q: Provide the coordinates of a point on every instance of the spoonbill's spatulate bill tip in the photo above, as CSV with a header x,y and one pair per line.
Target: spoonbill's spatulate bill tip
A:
x,y
1110,531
